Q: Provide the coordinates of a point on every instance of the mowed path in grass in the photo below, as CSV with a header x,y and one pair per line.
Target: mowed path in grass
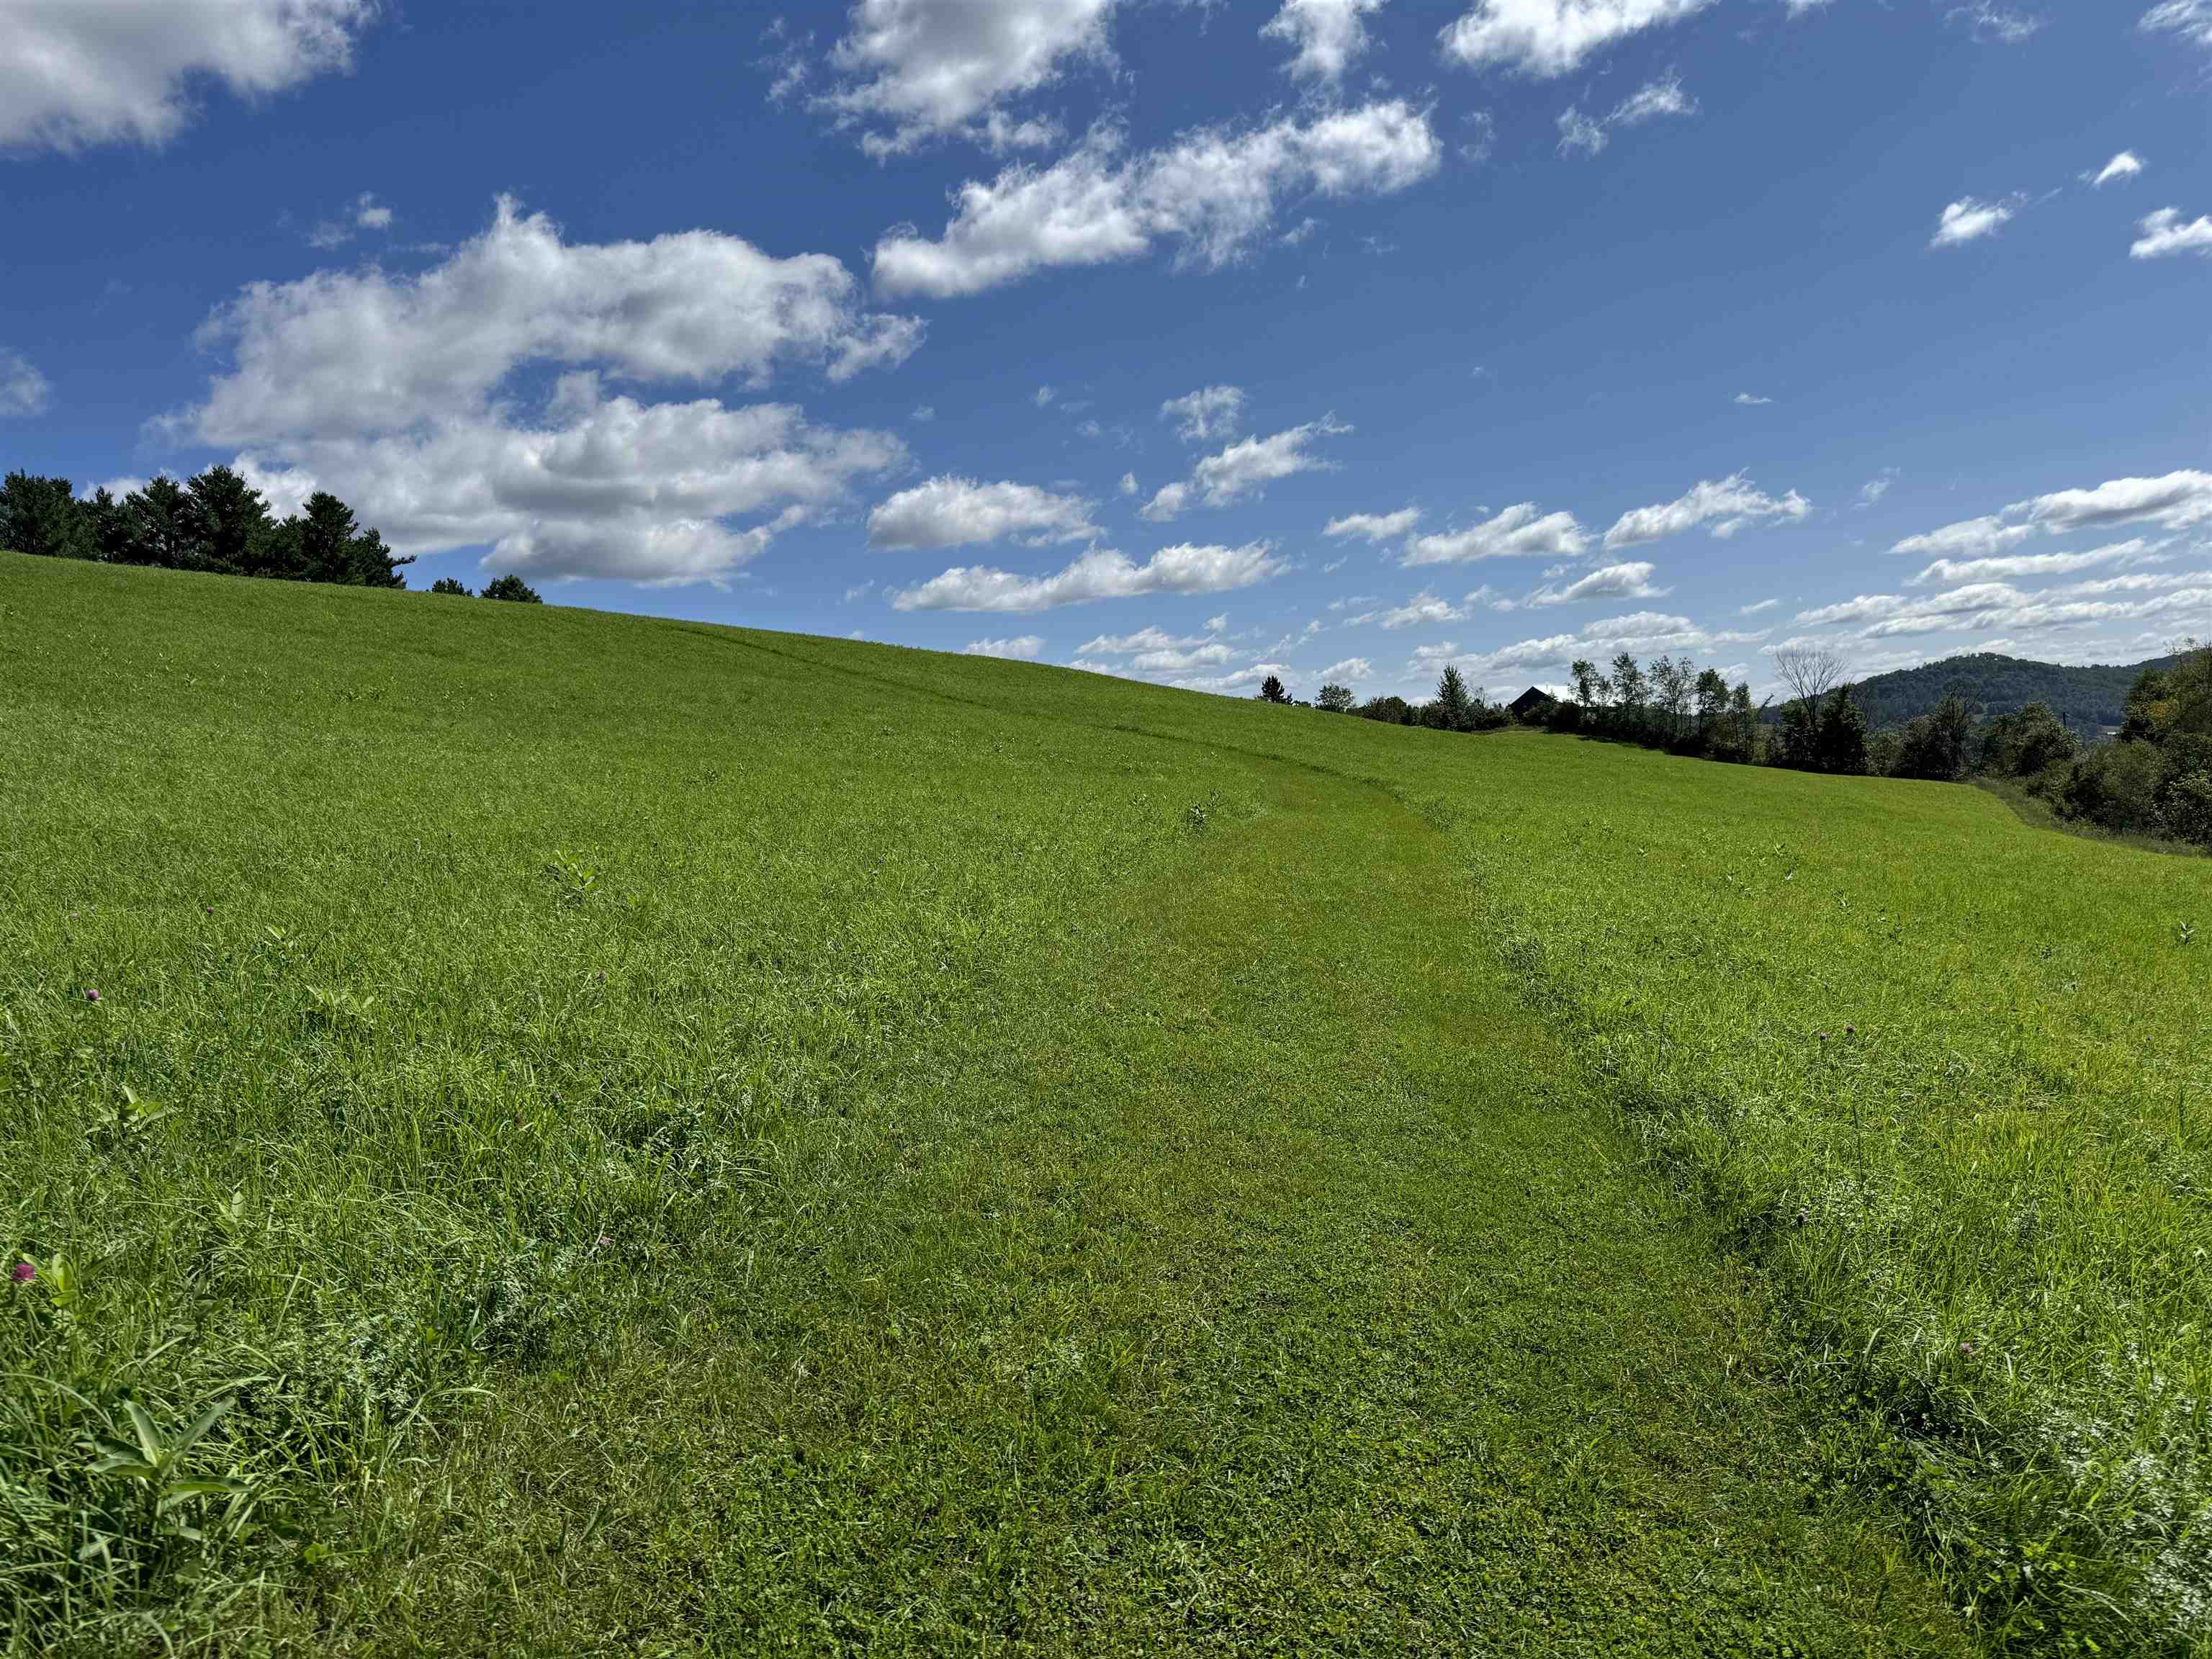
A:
x,y
956,1200
1258,1283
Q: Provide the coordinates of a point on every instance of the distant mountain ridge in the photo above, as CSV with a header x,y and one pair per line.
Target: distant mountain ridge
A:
x,y
2092,700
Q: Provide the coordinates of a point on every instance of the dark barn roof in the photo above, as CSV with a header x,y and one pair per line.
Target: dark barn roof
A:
x,y
1529,701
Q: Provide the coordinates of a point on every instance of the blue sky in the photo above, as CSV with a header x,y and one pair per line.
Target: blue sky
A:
x,y
1327,338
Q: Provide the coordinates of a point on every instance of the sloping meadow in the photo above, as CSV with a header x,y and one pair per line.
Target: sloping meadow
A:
x,y
1949,1077
381,1004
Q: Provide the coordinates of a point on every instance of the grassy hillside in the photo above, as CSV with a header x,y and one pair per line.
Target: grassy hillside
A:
x,y
668,1139
2090,700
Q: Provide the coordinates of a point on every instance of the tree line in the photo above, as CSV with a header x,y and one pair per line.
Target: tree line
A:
x,y
215,521
2155,779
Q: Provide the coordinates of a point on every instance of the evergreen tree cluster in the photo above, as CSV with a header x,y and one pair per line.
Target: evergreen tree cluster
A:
x,y
215,521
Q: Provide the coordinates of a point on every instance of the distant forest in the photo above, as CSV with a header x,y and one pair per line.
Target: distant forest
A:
x,y
2090,702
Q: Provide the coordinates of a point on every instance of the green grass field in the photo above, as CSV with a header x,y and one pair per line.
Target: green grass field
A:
x,y
663,1140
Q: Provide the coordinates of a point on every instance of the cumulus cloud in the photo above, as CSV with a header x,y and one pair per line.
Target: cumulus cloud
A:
x,y
916,70
1351,668
75,73
1547,38
2033,564
1612,581
1167,503
1209,194
1728,504
1024,647
399,394
1638,631
2165,232
2178,500
1423,609
1251,464
1151,638
1101,573
1994,607
1151,652
1375,527
2125,165
1520,531
1210,412
1247,465
953,512
1970,538
1330,35
23,390
365,351
1967,220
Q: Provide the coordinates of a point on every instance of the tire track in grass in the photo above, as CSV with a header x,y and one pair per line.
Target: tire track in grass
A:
x,y
1260,1284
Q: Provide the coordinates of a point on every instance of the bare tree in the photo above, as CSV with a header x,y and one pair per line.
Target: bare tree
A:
x,y
1810,671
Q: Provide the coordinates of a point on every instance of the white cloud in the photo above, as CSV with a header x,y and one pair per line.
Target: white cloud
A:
x,y
1580,132
1169,502
1652,100
1995,607
2033,564
2164,233
1247,465
2178,500
1421,610
365,212
1729,504
924,414
365,351
1330,35
1210,194
1150,639
1101,573
1986,21
2125,165
1971,538
1613,581
953,512
1517,532
921,69
1022,649
1251,464
79,72
1351,668
1966,220
1550,38
1043,396
1210,412
400,394
1641,631
2189,19
1876,488
1754,609
1375,527
1751,400
1128,485
23,390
